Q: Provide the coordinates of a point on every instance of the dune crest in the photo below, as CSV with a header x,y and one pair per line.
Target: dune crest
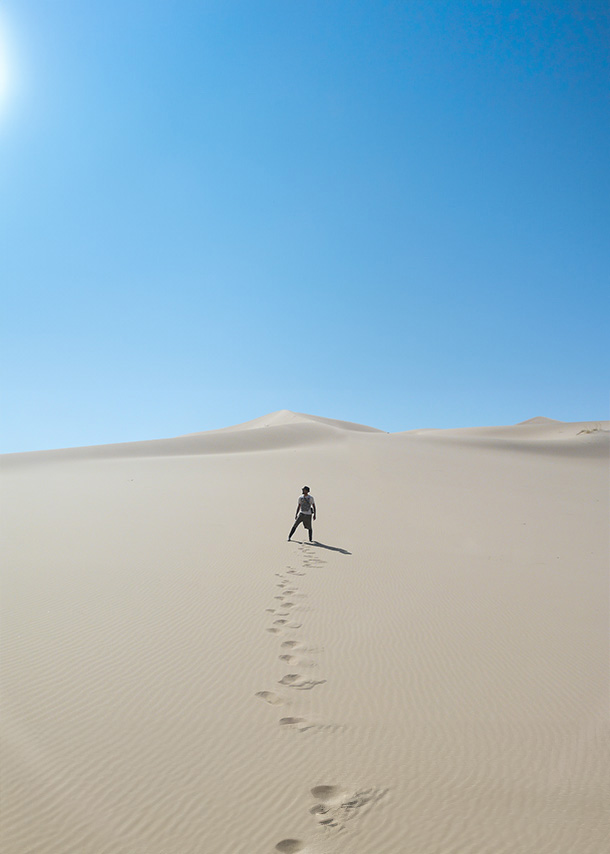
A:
x,y
540,419
536,434
285,417
277,430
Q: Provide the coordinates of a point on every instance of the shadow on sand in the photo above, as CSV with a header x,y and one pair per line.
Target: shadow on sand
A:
x,y
330,548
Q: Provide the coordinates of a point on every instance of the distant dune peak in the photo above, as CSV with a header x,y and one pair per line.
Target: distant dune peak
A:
x,y
288,418
540,419
284,417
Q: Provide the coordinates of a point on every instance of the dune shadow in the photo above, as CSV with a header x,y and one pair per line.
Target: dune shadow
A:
x,y
330,548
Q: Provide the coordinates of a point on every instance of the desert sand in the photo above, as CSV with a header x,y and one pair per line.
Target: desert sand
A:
x,y
430,676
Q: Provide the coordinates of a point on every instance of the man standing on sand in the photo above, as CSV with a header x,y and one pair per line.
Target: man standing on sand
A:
x,y
306,509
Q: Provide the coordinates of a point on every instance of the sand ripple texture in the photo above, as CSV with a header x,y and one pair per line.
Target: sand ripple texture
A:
x,y
429,677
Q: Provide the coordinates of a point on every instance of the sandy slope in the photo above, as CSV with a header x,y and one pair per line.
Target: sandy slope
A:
x,y
431,677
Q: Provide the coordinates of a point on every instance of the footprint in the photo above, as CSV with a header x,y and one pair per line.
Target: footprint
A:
x,y
270,610
290,846
337,805
322,816
294,625
328,794
291,721
295,680
293,659
273,631
297,646
279,622
303,725
318,809
270,697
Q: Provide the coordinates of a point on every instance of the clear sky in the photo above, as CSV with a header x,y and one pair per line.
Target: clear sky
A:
x,y
396,213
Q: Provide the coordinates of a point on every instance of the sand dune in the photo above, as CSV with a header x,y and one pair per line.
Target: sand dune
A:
x,y
430,676
278,430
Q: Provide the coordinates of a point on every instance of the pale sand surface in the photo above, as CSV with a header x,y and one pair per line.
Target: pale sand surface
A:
x,y
445,681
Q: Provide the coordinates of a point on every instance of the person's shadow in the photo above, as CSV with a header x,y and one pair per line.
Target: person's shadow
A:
x,y
330,548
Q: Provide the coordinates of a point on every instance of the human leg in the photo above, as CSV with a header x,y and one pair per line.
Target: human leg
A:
x,y
297,522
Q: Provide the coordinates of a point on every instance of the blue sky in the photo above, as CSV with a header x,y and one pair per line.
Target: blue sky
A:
x,y
395,213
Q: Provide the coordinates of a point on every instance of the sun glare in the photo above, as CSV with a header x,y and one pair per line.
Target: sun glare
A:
x,y
4,67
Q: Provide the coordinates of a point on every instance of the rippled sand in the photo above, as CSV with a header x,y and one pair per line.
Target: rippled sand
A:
x,y
430,676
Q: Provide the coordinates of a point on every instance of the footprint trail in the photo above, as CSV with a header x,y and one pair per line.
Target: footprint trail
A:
x,y
334,806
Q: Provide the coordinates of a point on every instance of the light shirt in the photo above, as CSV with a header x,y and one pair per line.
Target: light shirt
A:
x,y
306,503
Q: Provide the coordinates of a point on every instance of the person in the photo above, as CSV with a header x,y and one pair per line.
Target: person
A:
x,y
306,510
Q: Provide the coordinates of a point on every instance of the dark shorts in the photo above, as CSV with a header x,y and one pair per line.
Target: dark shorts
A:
x,y
305,518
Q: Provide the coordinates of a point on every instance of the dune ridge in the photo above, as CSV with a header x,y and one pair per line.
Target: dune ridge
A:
x,y
431,674
286,429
